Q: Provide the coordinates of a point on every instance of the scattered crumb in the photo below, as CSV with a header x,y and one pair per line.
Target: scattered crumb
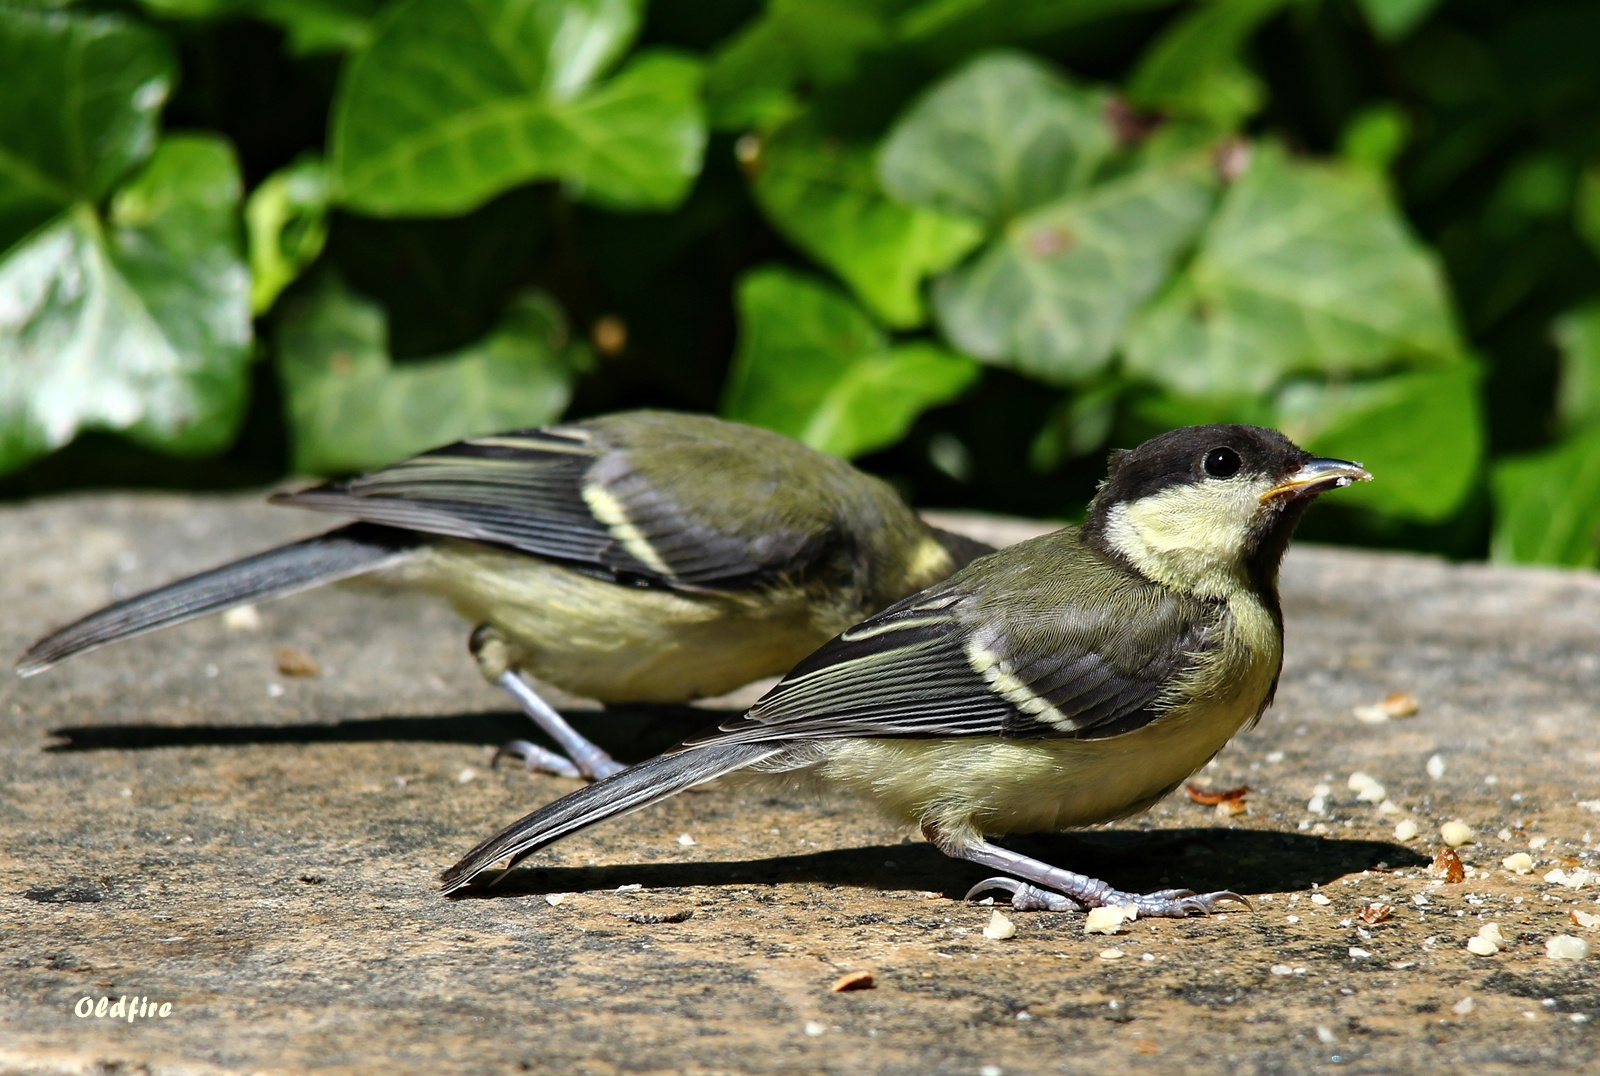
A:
x,y
1518,863
1001,928
1536,843
554,899
1111,954
1357,953
1208,798
815,1029
854,980
1463,1007
242,618
1230,808
292,661
686,840
1446,862
1108,920
1456,833
1584,919
1390,807
1281,969
1367,788
1318,898
1436,766
1405,830
1374,913
1566,947
467,773
1577,879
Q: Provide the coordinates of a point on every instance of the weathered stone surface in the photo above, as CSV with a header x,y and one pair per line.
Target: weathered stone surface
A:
x,y
178,821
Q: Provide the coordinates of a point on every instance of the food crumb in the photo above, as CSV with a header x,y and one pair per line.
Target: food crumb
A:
x,y
1446,862
855,980
1435,766
686,840
1518,863
292,661
1405,830
1108,920
1566,947
1000,928
1456,833
1463,1007
1111,954
554,899
242,618
1584,919
467,773
1318,898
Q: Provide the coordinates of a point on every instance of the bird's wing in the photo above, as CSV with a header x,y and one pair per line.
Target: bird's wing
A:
x,y
581,494
1025,653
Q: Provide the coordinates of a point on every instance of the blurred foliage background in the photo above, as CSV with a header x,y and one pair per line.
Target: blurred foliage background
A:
x,y
971,243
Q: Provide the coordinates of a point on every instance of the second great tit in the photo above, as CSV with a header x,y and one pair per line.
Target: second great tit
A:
x,y
644,556
1064,681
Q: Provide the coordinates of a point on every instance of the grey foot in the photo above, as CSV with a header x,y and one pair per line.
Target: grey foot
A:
x,y
493,655
1163,904
536,759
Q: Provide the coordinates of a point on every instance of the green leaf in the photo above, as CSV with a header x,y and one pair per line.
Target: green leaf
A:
x,y
351,410
455,101
1193,69
1305,267
312,26
1394,19
139,324
1578,394
946,30
1375,136
750,80
286,220
79,109
812,365
1586,207
1079,425
1421,435
1000,136
823,196
1052,294
1547,506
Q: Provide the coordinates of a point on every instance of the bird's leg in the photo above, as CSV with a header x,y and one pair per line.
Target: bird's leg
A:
x,y
1040,887
489,648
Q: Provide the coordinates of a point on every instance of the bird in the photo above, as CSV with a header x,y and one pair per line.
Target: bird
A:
x,y
637,557
1061,682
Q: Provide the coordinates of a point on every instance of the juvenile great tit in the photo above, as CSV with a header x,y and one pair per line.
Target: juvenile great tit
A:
x,y
645,556
1065,681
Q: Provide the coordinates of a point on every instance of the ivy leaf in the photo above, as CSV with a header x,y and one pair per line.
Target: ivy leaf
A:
x,y
1420,434
351,409
1578,395
140,323
824,197
1305,267
812,365
750,80
286,220
1547,505
1002,135
1394,19
1194,70
311,26
946,30
1050,297
455,101
79,111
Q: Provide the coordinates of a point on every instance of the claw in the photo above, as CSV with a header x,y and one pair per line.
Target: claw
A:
x,y
535,759
1025,897
1179,903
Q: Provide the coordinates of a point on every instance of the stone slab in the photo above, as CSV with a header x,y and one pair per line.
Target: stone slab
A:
x,y
181,822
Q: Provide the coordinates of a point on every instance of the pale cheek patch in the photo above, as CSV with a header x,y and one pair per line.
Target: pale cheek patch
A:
x,y
1191,536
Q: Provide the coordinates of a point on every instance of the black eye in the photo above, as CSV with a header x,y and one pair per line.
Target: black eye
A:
x,y
1223,463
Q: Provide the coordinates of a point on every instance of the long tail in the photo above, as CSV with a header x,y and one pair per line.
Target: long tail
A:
x,y
339,554
622,793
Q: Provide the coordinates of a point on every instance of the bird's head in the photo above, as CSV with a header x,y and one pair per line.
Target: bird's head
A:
x,y
1206,508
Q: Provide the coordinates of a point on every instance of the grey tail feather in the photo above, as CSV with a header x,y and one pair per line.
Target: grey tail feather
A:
x,y
622,793
339,554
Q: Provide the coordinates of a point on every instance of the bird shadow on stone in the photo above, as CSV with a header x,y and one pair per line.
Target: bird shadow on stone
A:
x,y
1204,860
630,733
